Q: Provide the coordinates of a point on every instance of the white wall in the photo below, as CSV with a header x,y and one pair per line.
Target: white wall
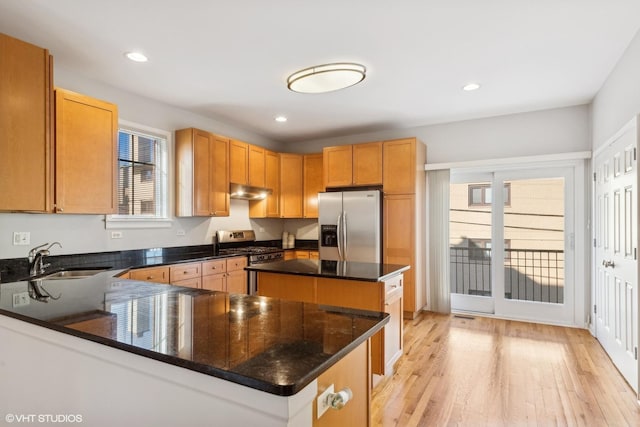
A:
x,y
618,101
553,131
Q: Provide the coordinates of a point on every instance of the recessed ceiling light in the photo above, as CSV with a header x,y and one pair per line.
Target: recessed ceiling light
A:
x,y
326,77
281,119
136,56
471,86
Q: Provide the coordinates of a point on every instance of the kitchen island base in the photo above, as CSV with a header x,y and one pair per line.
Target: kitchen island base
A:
x,y
57,373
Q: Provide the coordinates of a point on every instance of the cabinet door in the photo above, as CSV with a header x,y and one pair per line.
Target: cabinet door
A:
x,y
399,240
185,271
219,176
86,154
312,168
238,162
367,164
256,166
202,158
25,137
269,207
218,266
215,282
151,274
237,282
337,163
399,166
290,185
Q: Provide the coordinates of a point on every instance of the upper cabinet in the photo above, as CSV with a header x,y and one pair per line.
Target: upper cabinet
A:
x,y
26,168
256,166
291,185
202,173
312,183
246,164
399,166
269,207
86,154
353,165
238,162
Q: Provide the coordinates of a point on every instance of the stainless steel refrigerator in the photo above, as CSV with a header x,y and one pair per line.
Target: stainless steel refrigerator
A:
x,y
350,226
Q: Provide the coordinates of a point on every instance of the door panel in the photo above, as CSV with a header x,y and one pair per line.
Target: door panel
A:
x,y
615,275
362,225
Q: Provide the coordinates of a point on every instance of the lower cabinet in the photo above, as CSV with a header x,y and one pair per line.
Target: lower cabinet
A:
x,y
347,373
300,254
224,274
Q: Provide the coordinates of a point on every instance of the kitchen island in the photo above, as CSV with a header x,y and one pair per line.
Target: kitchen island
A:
x,y
358,285
124,352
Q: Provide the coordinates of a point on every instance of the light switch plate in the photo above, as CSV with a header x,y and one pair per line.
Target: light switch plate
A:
x,y
20,299
21,238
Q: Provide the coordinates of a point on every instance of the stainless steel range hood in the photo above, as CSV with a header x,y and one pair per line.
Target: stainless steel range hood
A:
x,y
246,192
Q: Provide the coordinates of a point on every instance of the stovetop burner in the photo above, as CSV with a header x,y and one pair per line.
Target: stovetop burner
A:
x,y
250,250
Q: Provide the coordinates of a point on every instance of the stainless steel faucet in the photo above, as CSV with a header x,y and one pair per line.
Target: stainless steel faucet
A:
x,y
36,256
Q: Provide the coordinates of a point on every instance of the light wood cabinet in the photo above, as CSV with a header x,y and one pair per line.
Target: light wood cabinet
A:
x,y
291,185
350,372
225,275
270,206
399,240
256,166
202,173
86,154
367,164
312,183
26,168
337,165
151,274
185,272
353,165
399,166
238,162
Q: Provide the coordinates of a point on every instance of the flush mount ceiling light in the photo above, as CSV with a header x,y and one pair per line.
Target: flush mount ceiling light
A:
x,y
136,56
281,119
471,86
326,78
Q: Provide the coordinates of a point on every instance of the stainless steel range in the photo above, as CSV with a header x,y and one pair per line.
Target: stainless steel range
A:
x,y
243,242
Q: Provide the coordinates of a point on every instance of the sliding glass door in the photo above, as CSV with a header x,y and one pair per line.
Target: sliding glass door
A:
x,y
512,244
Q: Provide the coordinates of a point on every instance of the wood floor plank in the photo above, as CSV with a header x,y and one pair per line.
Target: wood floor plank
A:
x,y
491,372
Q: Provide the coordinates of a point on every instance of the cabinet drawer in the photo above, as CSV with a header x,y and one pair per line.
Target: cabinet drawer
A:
x,y
393,289
184,271
302,255
237,263
153,274
214,267
215,282
189,283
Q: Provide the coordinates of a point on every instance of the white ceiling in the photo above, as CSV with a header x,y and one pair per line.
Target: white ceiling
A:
x,y
230,59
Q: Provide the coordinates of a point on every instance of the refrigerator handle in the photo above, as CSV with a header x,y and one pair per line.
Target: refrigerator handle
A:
x,y
345,245
339,233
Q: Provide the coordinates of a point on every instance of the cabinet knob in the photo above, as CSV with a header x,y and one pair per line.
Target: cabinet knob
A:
x,y
60,210
149,277
339,399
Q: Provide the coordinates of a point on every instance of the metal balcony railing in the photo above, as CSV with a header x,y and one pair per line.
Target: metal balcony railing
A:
x,y
529,274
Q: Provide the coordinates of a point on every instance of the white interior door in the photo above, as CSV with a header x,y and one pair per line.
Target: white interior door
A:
x,y
615,260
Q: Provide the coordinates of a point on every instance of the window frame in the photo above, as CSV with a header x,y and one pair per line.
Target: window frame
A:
x,y
483,188
163,169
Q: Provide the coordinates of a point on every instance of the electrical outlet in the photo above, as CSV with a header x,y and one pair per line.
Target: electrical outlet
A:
x,y
21,238
20,299
322,405
180,233
116,234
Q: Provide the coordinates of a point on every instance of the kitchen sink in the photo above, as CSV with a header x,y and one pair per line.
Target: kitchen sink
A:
x,y
73,273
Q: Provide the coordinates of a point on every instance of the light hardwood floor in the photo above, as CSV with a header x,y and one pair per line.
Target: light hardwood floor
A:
x,y
489,372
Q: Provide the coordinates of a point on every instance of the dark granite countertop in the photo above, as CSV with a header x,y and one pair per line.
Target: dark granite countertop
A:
x,y
264,343
370,272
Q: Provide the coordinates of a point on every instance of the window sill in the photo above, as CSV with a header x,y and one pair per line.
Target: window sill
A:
x,y
111,222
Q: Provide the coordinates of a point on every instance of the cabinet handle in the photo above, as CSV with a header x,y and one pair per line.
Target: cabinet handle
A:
x,y
339,399
60,210
149,277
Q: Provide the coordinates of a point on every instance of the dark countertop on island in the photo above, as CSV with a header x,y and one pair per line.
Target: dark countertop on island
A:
x,y
267,344
369,272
